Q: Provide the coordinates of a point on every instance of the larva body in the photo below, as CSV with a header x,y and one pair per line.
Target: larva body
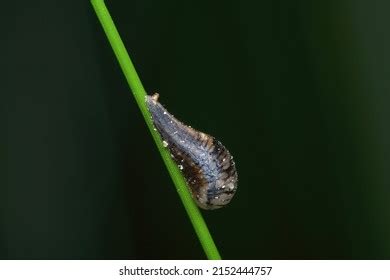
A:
x,y
206,164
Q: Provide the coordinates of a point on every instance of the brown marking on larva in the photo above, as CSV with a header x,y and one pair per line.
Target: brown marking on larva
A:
x,y
192,173
209,144
206,164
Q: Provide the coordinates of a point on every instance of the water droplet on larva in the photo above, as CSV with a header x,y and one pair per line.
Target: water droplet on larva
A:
x,y
180,167
165,143
216,197
165,112
223,187
224,159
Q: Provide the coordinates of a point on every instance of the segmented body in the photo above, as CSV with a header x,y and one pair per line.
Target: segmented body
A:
x,y
206,164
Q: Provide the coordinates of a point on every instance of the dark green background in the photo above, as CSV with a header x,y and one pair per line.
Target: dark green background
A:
x,y
297,90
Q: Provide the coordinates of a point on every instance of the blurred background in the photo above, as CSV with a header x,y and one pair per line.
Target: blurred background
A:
x,y
297,91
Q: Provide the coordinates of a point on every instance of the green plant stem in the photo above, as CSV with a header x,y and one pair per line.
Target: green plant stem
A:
x,y
139,93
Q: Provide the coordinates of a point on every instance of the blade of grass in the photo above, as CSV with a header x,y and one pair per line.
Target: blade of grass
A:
x,y
139,93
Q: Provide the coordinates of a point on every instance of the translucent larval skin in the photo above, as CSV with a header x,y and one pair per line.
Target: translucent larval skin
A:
x,y
206,164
